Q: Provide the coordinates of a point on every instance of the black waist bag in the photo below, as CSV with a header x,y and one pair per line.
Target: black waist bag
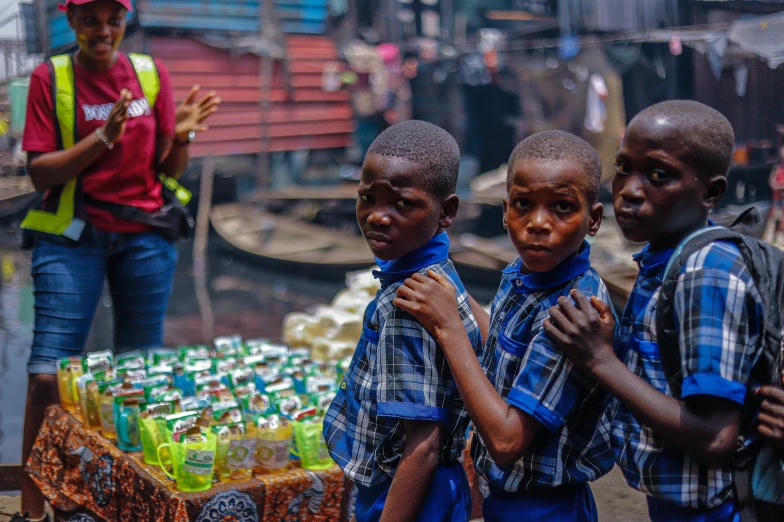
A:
x,y
173,221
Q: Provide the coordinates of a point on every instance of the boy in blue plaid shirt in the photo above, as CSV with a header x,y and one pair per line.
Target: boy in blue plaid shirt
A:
x,y
542,432
671,170
397,426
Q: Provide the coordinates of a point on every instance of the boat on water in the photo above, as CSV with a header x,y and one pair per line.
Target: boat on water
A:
x,y
16,196
311,230
285,242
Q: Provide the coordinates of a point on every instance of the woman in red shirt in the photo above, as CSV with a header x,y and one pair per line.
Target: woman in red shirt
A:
x,y
121,145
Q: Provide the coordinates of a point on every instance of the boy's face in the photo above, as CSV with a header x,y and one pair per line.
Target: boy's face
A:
x,y
547,211
395,211
659,195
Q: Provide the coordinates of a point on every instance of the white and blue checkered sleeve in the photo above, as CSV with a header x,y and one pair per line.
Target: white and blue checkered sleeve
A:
x,y
414,381
547,386
719,319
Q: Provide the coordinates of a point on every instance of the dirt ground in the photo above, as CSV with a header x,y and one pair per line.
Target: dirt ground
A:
x,y
616,501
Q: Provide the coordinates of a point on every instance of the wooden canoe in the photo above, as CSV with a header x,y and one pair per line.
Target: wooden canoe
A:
x,y
287,243
16,194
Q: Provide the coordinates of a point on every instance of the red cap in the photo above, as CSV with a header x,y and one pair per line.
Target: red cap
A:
x,y
63,7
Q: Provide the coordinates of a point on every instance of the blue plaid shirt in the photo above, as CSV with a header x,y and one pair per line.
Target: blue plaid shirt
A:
x,y
719,315
398,372
531,373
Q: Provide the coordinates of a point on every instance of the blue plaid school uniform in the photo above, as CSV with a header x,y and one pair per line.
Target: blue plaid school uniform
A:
x,y
718,313
531,373
397,372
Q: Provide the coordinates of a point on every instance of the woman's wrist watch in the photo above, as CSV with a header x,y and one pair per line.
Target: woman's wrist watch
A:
x,y
187,141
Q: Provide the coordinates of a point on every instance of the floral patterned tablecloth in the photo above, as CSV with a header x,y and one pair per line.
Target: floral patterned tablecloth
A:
x,y
86,478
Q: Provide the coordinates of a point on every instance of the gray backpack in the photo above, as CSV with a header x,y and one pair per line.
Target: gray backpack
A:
x,y
765,263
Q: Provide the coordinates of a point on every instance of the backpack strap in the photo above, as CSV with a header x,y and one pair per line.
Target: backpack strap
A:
x,y
666,331
744,496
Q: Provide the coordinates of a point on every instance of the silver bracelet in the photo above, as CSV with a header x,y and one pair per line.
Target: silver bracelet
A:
x,y
101,135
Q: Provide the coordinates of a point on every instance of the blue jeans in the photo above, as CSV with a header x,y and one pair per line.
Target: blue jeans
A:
x,y
68,281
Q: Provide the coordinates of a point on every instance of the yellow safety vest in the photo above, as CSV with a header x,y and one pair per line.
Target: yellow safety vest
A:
x,y
64,221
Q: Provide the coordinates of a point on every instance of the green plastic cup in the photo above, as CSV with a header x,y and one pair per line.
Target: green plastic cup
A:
x,y
193,463
152,435
311,447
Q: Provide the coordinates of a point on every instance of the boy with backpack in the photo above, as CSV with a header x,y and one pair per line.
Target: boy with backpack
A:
x,y
701,329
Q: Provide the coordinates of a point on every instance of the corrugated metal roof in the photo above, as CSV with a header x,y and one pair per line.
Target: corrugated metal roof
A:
x,y
304,117
230,16
241,16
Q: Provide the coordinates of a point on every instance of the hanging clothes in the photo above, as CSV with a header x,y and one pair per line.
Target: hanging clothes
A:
x,y
595,107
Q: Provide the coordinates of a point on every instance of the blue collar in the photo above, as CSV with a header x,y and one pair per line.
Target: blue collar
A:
x,y
566,271
651,263
434,251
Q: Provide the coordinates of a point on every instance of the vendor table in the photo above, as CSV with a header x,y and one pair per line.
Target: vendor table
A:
x,y
86,478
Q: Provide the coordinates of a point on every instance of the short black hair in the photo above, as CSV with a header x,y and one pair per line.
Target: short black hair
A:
x,y
427,145
560,145
707,134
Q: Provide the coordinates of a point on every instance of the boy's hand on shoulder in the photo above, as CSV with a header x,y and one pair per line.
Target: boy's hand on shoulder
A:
x,y
584,330
771,415
431,300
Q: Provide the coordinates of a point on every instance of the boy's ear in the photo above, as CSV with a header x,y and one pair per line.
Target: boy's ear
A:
x,y
595,219
506,203
449,211
714,191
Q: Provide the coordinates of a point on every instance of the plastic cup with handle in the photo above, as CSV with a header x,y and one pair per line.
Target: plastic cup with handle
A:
x,y
311,447
235,455
126,422
193,463
273,446
152,434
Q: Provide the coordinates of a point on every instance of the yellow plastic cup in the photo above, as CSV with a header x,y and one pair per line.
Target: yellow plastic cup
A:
x,y
91,407
311,447
272,449
193,463
235,456
106,415
66,385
